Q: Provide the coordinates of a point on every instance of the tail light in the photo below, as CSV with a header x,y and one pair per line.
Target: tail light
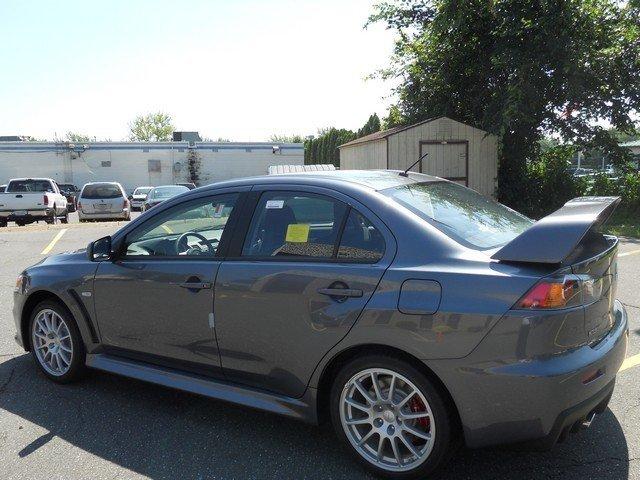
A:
x,y
125,204
45,199
79,206
564,291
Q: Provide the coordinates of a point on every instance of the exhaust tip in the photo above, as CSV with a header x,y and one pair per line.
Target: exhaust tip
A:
x,y
586,422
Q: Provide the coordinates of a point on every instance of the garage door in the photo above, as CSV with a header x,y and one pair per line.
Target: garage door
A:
x,y
446,159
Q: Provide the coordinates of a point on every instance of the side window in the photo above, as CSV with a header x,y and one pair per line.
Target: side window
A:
x,y
193,228
294,224
360,240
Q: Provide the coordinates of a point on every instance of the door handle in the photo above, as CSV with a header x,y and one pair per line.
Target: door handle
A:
x,y
195,285
340,292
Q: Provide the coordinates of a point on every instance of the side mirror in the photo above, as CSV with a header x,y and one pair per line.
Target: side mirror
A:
x,y
100,250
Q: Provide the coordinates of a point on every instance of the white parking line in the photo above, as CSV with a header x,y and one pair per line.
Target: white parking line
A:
x,y
628,253
630,362
53,242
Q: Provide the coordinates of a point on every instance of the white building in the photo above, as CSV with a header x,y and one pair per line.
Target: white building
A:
x,y
143,163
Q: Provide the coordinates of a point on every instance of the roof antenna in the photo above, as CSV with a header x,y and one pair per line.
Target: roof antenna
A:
x,y
406,172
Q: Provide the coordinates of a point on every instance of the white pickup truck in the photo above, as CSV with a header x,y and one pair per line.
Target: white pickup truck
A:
x,y
27,200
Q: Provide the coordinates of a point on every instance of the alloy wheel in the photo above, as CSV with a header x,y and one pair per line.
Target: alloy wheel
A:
x,y
51,339
387,419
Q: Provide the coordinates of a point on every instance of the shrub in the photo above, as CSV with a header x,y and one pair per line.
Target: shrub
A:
x,y
549,183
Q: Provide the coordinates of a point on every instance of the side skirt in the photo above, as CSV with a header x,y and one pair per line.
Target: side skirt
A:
x,y
299,408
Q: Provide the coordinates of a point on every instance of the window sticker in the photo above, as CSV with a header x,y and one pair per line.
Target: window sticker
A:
x,y
297,233
217,212
274,204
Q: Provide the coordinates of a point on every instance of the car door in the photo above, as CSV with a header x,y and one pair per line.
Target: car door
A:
x,y
291,291
155,301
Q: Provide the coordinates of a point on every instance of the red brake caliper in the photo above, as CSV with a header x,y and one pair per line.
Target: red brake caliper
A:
x,y
416,405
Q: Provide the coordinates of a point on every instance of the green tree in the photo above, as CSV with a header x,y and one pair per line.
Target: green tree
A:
x,y
394,118
152,127
276,138
373,125
519,69
75,137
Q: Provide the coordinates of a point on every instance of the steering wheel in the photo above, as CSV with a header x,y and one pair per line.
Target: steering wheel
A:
x,y
182,246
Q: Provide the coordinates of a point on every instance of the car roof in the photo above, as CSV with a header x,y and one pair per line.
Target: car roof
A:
x,y
373,179
22,179
102,183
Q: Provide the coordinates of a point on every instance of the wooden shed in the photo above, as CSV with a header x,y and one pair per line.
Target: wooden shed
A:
x,y
457,152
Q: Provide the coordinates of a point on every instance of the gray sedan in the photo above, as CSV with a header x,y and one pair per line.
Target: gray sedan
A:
x,y
411,312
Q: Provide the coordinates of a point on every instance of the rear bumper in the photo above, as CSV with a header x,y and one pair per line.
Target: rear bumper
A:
x,y
509,397
106,215
31,215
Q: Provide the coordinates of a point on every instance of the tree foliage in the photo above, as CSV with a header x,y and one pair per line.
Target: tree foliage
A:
x,y
519,69
75,137
394,118
277,138
152,127
323,149
373,125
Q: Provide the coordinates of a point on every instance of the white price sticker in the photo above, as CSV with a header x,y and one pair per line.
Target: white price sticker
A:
x,y
274,204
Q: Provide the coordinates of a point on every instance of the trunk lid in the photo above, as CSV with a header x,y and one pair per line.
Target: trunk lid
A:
x,y
102,205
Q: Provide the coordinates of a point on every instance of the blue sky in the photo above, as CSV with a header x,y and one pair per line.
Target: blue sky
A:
x,y
237,69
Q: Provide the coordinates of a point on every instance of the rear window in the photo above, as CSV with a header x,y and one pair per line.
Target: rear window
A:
x,y
168,192
101,190
27,186
142,190
466,216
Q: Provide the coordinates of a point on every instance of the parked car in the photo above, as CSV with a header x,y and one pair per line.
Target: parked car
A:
x,y
103,201
160,194
70,191
138,197
27,200
583,172
411,310
189,185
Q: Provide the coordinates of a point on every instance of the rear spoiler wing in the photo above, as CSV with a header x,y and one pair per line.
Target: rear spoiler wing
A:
x,y
553,238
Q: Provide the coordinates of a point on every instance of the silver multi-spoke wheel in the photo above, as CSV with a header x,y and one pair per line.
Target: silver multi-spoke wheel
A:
x,y
387,419
52,344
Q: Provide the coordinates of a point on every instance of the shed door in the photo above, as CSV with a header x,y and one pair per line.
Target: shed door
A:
x,y
446,160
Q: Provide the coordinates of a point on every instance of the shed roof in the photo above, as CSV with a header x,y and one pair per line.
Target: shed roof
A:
x,y
385,133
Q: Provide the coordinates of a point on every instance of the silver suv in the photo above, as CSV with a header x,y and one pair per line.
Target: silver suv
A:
x,y
103,201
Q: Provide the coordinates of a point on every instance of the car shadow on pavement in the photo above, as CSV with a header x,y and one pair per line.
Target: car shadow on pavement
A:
x,y
162,433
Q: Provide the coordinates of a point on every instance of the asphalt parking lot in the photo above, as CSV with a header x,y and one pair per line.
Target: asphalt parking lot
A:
x,y
108,427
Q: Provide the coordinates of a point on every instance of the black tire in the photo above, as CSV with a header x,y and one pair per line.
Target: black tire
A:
x,y
20,224
65,218
444,445
77,367
53,219
3,224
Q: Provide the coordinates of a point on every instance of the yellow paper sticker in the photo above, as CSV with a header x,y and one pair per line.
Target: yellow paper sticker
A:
x,y
297,233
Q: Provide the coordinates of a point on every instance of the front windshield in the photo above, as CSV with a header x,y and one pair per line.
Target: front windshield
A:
x,y
463,214
142,190
168,192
